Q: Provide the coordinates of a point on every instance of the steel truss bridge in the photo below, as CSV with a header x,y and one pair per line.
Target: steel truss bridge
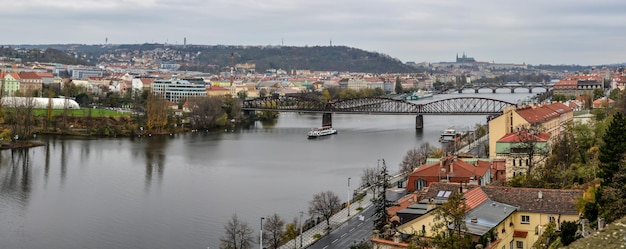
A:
x,y
377,106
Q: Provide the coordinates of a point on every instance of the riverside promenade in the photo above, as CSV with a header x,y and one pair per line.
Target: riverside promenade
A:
x,y
335,221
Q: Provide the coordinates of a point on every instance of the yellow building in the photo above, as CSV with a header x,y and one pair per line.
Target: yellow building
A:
x,y
512,218
550,118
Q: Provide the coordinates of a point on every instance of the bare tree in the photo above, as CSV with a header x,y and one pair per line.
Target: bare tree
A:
x,y
325,203
530,148
23,117
274,230
238,235
415,157
369,177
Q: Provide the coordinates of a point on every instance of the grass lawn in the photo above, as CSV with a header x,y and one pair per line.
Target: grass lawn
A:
x,y
84,112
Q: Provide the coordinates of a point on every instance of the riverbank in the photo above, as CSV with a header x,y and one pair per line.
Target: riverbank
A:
x,y
20,144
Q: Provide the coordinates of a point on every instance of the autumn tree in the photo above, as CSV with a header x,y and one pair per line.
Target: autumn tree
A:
x,y
325,203
415,157
291,232
273,231
238,235
156,113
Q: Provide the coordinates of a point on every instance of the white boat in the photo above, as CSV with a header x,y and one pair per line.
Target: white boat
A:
x,y
321,131
448,135
419,95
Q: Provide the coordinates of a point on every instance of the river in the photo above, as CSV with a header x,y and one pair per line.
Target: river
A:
x,y
178,191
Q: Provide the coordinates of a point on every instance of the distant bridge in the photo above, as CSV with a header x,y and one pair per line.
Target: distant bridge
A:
x,y
512,86
377,106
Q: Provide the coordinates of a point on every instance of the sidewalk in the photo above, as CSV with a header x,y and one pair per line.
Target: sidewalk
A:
x,y
336,220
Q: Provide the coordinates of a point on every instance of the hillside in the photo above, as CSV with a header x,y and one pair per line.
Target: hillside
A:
x,y
217,58
612,236
44,54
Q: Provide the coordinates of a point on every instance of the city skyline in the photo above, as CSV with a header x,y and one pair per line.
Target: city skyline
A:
x,y
532,32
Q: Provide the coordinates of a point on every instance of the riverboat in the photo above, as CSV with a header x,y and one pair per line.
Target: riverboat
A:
x,y
321,131
449,135
419,95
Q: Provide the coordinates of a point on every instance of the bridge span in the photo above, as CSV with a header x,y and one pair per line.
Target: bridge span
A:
x,y
377,106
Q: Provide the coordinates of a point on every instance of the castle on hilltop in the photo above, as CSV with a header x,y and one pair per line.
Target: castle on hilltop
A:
x,y
464,59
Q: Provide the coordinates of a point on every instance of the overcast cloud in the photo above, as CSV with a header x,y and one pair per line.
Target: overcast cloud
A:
x,y
531,31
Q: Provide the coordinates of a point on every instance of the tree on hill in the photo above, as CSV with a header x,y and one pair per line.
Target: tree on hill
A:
x,y
398,85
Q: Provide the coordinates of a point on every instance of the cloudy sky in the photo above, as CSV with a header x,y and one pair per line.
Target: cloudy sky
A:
x,y
531,31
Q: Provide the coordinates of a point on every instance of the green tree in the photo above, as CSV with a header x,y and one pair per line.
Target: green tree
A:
x,y
292,232
398,85
598,93
449,224
381,216
568,232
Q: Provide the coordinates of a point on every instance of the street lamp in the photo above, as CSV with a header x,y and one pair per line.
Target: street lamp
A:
x,y
301,213
349,196
261,236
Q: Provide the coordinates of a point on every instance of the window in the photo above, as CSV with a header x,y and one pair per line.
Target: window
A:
x,y
525,219
551,218
520,244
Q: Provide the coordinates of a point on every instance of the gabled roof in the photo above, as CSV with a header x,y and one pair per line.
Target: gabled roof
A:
x,y
454,167
536,200
29,75
542,113
522,136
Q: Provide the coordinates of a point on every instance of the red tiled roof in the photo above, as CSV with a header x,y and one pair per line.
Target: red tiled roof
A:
x,y
520,234
474,197
542,113
29,75
552,201
516,137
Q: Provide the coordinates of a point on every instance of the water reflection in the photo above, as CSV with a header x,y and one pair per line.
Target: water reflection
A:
x,y
155,159
15,171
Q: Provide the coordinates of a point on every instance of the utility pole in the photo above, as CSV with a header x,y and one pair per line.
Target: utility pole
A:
x,y
301,213
349,196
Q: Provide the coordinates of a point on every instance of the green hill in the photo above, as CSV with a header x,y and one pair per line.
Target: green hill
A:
x,y
216,58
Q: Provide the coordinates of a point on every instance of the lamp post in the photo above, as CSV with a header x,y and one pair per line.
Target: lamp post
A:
x,y
261,234
349,196
301,213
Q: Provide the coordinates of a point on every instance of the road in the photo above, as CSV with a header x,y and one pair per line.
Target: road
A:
x,y
355,230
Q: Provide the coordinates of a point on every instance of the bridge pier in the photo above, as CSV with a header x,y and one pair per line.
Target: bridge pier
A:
x,y
461,90
512,90
327,119
419,122
493,90
475,90
530,90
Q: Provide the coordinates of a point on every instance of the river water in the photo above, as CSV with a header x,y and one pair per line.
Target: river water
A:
x,y
178,191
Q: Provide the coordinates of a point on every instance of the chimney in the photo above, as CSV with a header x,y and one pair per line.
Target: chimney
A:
x,y
540,195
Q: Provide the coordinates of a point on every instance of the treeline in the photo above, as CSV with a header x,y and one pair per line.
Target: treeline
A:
x,y
217,58
49,55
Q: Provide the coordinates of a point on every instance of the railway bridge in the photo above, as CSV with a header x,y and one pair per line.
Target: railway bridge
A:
x,y
376,106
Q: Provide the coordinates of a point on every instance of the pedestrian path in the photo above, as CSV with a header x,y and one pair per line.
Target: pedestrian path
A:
x,y
335,221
